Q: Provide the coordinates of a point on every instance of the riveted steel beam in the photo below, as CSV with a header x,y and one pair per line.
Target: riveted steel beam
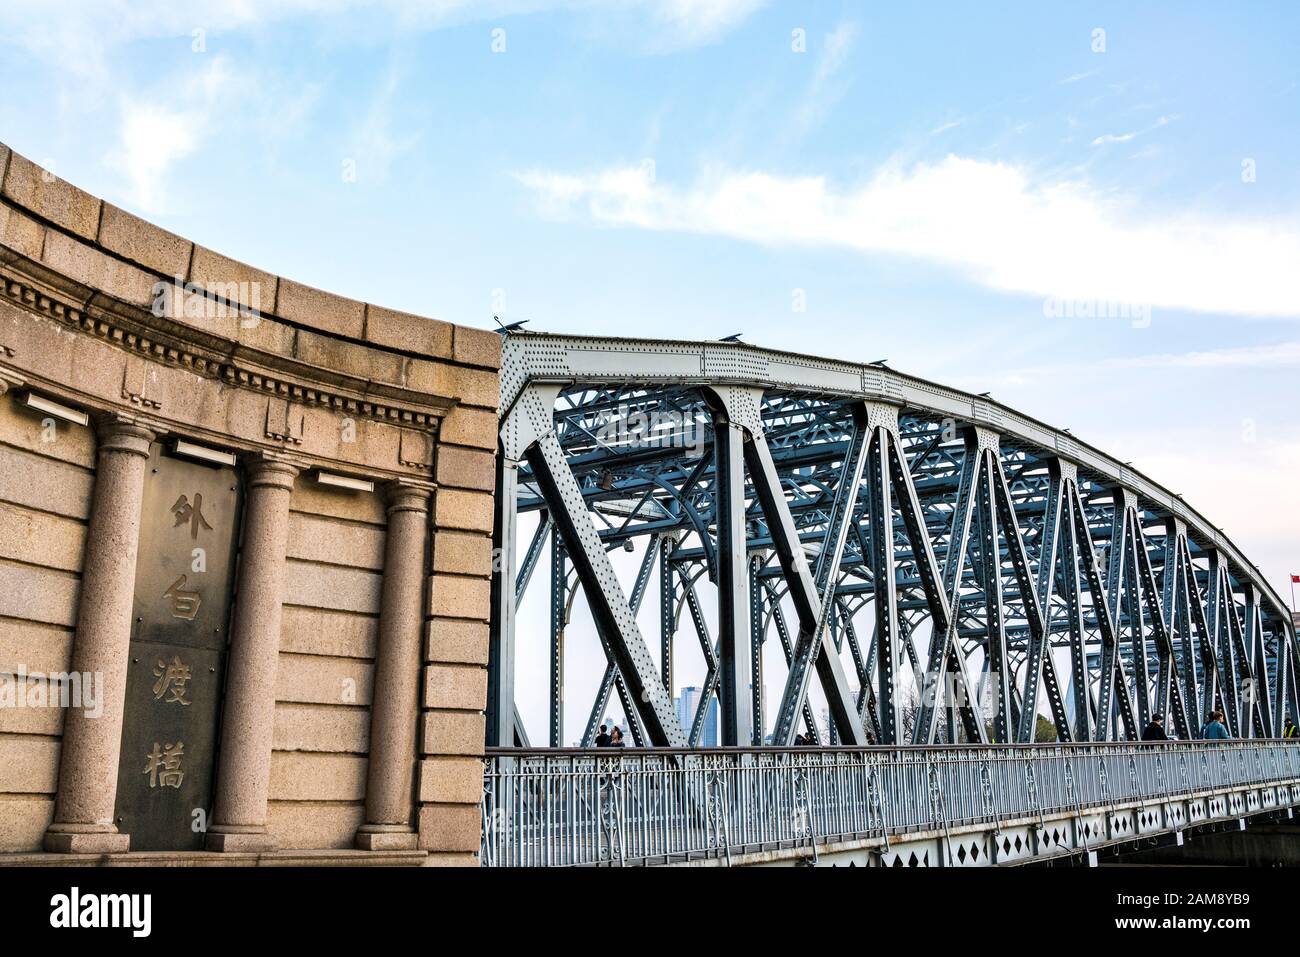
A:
x,y
787,647
757,637
1218,599
667,610
500,712
541,537
734,656
615,621
559,618
1199,632
1261,692
996,661
1114,678
1032,596
946,659
1168,697
812,604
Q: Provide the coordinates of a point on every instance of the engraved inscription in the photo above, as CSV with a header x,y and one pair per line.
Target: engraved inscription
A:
x,y
164,767
173,681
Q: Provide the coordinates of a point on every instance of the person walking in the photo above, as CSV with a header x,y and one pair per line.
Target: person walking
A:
x,y
1155,730
1289,729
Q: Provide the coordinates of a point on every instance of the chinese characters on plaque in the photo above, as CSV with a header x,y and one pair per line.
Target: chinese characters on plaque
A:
x,y
184,573
164,768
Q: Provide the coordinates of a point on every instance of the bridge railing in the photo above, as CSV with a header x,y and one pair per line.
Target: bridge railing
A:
x,y
608,806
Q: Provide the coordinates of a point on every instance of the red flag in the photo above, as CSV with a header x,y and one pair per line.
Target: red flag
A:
x,y
1295,579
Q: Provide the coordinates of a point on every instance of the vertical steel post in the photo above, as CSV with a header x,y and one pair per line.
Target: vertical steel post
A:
x,y
757,635
880,520
501,635
734,659
559,609
667,610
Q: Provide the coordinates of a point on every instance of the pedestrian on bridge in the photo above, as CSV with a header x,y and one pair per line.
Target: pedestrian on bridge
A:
x,y
1155,730
1215,729
602,739
616,738
1289,730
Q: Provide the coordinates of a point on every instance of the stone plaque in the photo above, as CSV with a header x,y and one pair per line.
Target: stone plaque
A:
x,y
184,575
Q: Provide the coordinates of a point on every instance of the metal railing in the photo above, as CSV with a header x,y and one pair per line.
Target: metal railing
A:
x,y
581,807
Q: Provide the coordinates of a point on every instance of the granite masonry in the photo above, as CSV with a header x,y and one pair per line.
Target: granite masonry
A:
x,y
275,501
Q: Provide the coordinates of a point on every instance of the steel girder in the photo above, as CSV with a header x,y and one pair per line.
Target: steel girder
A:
x,y
1030,547
813,598
735,661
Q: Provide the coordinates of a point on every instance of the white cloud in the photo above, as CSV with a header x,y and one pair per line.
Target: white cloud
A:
x,y
153,137
990,221
158,130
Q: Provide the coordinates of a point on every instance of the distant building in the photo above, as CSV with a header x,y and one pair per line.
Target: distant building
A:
x,y
688,702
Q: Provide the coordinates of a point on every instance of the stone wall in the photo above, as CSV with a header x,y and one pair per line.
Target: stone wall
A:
x,y
369,729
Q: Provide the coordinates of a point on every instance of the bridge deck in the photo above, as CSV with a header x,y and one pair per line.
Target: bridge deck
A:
x,y
893,806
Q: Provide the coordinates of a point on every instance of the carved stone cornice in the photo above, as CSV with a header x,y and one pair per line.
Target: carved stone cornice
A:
x,y
164,340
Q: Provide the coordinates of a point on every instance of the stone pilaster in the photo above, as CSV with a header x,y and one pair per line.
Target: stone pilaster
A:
x,y
395,710
87,789
244,763
455,676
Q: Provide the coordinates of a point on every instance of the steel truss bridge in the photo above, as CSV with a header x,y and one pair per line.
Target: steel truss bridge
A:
x,y
947,570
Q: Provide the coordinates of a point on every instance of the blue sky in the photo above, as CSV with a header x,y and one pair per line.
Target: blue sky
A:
x,y
929,179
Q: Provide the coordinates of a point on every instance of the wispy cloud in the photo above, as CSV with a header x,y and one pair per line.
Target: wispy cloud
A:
x,y
1076,77
696,21
827,86
990,221
1125,137
1271,356
82,34
945,127
374,143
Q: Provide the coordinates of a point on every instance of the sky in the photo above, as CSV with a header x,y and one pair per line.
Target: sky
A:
x,y
1092,211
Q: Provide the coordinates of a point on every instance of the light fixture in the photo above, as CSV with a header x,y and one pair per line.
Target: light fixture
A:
x,y
344,481
57,409
202,453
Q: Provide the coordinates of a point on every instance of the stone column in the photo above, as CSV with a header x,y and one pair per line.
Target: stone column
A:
x,y
395,706
244,765
83,815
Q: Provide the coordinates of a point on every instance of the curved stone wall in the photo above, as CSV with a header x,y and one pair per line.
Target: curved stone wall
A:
x,y
352,707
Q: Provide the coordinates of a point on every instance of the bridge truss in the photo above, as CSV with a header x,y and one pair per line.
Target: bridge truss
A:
x,y
979,568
